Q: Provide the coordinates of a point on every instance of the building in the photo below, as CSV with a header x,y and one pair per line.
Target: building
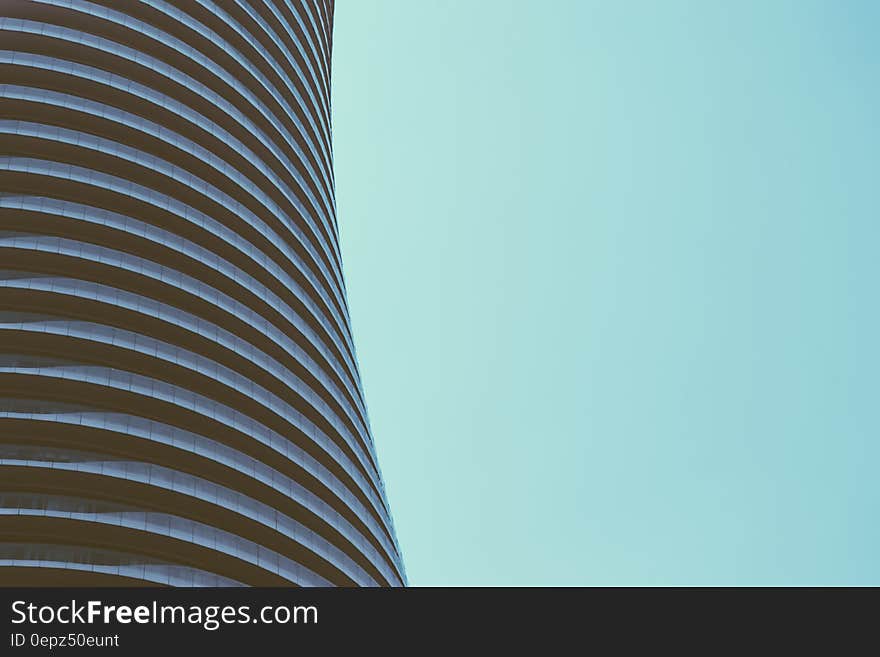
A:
x,y
180,401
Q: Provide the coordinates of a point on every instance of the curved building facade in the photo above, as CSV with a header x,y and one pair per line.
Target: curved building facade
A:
x,y
180,402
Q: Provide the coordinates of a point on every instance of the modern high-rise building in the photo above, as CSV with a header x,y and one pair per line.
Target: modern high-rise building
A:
x,y
180,401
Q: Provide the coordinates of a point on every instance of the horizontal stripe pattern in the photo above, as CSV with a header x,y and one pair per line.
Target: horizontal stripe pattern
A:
x,y
180,401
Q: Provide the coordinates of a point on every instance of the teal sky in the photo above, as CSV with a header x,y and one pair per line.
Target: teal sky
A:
x,y
613,271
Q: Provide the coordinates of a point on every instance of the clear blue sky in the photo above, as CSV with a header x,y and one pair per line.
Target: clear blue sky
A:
x,y
613,269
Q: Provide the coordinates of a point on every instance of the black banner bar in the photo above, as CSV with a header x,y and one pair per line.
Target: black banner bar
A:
x,y
137,620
